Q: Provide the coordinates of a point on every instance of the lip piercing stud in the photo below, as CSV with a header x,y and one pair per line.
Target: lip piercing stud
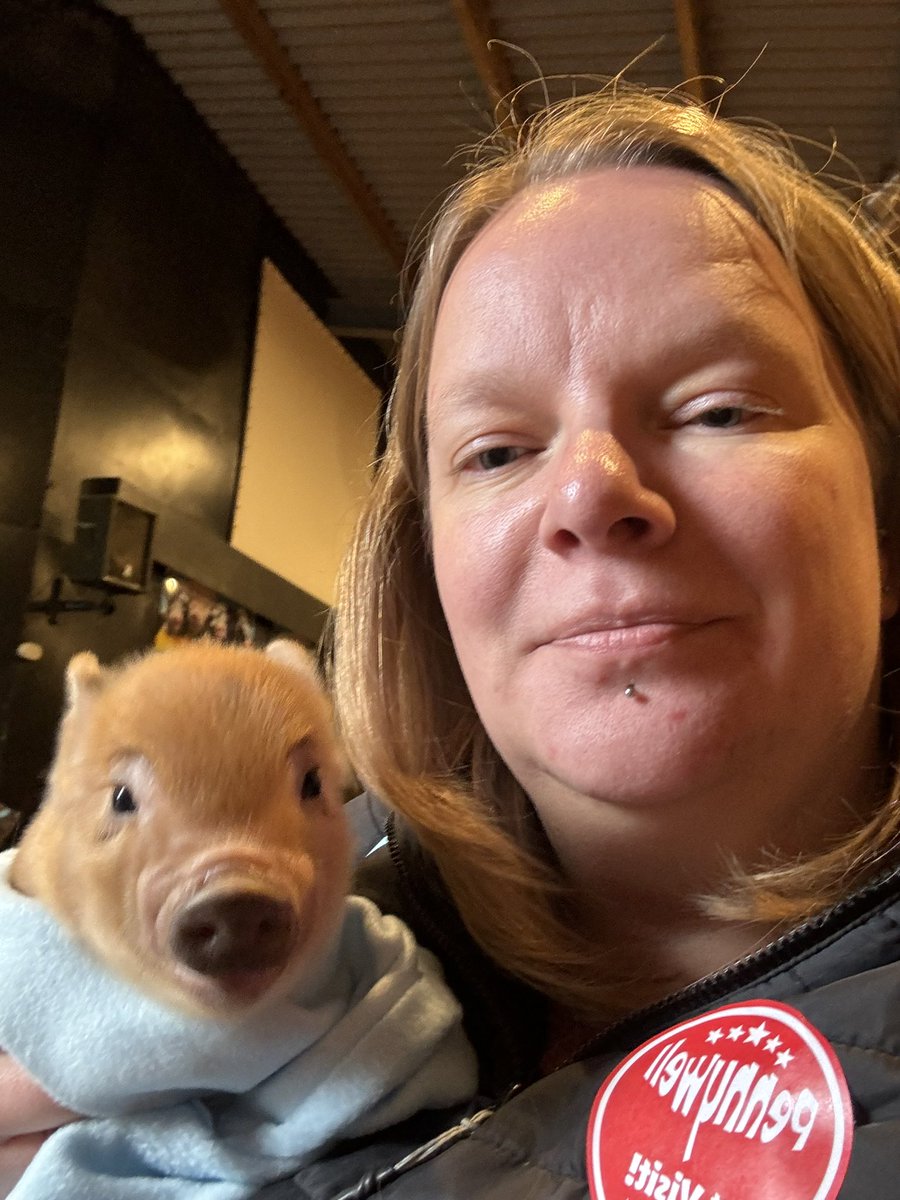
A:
x,y
631,691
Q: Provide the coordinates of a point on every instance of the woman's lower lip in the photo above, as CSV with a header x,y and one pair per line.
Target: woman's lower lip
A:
x,y
624,637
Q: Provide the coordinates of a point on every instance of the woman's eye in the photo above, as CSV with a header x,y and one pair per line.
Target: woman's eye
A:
x,y
496,457
748,410
122,799
728,417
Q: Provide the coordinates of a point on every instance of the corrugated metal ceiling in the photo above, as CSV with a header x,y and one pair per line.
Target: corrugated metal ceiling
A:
x,y
400,88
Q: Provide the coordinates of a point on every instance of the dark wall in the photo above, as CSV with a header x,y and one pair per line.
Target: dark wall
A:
x,y
45,205
131,250
163,327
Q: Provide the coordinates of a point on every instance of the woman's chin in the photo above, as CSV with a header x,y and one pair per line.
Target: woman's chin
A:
x,y
648,748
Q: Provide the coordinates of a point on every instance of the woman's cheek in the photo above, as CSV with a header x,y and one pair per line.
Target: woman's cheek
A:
x,y
481,547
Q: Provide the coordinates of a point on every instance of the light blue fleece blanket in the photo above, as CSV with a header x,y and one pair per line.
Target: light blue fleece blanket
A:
x,y
212,1110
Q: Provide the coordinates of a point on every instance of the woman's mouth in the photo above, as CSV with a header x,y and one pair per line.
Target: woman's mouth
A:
x,y
615,635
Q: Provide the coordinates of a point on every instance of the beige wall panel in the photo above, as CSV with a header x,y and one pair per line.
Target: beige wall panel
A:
x,y
308,446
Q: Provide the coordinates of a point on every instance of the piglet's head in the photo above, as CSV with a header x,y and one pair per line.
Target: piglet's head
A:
x,y
192,834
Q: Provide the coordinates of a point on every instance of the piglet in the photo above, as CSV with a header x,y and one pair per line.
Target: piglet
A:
x,y
192,835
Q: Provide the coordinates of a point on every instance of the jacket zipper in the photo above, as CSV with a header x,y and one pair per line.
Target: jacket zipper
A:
x,y
374,1181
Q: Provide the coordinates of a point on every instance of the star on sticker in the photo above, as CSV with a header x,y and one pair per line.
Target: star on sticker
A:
x,y
784,1058
714,1035
735,1033
715,1197
756,1034
773,1043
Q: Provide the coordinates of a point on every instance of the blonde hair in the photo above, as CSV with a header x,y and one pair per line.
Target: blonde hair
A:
x,y
409,723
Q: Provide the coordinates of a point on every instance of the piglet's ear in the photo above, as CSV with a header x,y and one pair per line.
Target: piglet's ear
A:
x,y
297,657
84,677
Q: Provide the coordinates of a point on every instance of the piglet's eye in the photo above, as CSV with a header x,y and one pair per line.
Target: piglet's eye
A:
x,y
311,785
122,799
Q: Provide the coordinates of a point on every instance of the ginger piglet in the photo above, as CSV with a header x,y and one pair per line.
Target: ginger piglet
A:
x,y
192,835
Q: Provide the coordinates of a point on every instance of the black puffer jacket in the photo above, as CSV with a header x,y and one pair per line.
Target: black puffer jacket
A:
x,y
524,1138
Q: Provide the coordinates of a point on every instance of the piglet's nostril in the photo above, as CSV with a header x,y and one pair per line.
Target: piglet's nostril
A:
x,y
237,931
631,527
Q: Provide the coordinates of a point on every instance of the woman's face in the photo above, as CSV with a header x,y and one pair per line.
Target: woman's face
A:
x,y
652,514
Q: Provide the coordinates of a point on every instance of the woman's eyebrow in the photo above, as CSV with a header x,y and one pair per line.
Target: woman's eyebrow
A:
x,y
474,393
755,328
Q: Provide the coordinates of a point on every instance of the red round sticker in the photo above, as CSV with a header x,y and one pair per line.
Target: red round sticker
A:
x,y
744,1103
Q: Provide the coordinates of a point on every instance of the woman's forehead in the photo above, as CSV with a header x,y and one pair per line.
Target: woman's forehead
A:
x,y
639,239
630,210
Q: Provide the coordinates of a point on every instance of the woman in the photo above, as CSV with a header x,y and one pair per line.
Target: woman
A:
x,y
611,641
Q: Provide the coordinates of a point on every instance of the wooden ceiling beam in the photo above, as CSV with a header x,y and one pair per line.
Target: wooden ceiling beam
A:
x,y
490,61
690,45
260,38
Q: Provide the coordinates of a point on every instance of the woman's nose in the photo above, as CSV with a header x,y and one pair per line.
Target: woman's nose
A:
x,y
597,498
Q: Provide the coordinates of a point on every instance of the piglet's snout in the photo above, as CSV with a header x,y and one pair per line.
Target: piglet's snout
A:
x,y
234,931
